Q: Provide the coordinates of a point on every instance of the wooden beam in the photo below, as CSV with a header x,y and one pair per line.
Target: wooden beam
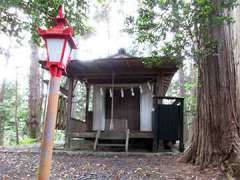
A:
x,y
169,97
109,135
106,76
126,73
119,81
119,85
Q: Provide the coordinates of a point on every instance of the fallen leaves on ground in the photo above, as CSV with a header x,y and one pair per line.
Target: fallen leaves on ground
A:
x,y
24,165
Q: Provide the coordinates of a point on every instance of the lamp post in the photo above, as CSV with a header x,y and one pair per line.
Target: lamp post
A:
x,y
59,43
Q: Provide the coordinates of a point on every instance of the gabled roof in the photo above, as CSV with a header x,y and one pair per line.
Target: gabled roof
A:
x,y
125,68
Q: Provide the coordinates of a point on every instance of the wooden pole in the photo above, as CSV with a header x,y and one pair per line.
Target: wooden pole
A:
x,y
158,92
181,128
87,107
155,126
111,127
49,128
69,112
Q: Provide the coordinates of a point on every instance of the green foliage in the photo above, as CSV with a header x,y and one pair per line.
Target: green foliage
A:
x,y
190,100
101,1
27,141
189,85
41,13
179,28
7,108
59,137
79,101
11,23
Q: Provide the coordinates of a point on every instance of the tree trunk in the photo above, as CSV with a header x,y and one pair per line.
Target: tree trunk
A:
x,y
16,108
181,82
191,114
216,138
193,91
42,97
2,94
34,101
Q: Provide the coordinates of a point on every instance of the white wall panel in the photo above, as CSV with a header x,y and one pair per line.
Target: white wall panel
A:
x,y
146,105
98,109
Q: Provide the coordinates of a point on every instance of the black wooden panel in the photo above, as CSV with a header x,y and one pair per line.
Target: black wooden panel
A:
x,y
168,122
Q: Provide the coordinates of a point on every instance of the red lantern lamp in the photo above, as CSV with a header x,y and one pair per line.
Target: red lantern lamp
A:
x,y
59,43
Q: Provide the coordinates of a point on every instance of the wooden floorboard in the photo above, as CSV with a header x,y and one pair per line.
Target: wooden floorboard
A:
x,y
113,135
139,135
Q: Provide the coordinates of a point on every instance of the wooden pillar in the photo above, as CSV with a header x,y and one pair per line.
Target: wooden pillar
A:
x,y
87,107
158,91
111,127
159,86
181,144
69,111
154,126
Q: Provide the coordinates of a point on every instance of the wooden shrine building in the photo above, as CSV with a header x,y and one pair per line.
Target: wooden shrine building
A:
x,y
127,104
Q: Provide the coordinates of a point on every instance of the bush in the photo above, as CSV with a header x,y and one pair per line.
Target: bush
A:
x,y
27,141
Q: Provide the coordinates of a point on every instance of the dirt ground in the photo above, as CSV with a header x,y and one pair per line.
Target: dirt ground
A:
x,y
84,166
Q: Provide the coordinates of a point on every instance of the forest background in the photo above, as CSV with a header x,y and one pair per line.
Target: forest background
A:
x,y
23,91
202,36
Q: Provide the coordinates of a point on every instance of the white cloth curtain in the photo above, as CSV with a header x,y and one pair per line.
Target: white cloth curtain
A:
x,y
98,109
146,105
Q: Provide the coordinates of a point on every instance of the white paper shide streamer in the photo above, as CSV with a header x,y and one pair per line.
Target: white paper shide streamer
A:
x,y
132,92
110,91
141,89
101,91
149,86
122,93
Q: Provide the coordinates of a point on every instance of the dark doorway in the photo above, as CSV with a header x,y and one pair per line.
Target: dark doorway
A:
x,y
127,107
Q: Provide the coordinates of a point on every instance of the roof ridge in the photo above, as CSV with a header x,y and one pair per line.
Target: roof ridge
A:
x,y
120,54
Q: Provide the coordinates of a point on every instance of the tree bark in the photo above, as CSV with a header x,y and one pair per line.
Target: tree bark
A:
x,y
16,108
34,100
191,114
193,91
2,94
181,82
216,138
42,97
